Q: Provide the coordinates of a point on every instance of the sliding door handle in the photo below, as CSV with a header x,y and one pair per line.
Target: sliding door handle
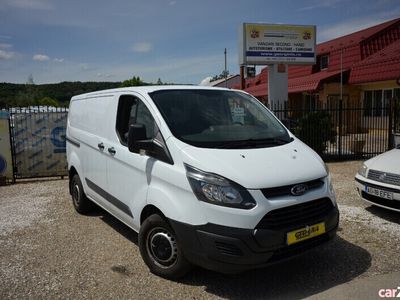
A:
x,y
111,150
100,146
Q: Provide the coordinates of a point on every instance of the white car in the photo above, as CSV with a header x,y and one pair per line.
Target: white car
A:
x,y
378,180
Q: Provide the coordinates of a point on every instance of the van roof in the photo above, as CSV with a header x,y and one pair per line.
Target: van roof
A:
x,y
147,89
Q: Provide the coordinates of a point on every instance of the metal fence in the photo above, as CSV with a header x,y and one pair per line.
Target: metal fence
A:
x,y
38,141
336,131
341,132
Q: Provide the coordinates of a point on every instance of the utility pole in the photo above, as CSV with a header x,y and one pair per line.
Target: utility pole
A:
x,y
225,72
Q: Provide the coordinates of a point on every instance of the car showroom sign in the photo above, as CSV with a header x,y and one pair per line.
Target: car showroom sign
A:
x,y
264,44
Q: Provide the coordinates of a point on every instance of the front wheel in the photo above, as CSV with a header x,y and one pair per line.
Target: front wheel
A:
x,y
160,249
81,203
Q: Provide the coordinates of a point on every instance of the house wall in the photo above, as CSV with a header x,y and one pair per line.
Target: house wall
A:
x,y
381,85
351,118
376,122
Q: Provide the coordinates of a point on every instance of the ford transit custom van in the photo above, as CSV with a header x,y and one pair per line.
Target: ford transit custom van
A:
x,y
206,176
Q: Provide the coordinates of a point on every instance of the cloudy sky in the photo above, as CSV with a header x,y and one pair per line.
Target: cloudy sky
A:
x,y
175,40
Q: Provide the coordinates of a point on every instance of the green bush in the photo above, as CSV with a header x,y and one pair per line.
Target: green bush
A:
x,y
316,129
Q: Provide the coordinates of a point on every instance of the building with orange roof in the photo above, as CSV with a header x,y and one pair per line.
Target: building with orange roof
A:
x,y
368,62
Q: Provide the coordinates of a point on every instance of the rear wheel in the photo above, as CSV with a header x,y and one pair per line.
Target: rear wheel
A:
x,y
161,250
81,203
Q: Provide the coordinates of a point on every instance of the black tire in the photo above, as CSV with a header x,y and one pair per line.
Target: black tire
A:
x,y
81,203
161,250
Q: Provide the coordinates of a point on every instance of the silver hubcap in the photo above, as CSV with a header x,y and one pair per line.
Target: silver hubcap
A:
x,y
76,194
161,246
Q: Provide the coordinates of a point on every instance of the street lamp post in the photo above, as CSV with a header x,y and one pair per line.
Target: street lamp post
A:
x,y
225,72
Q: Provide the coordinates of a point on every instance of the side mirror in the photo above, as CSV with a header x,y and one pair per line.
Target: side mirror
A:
x,y
136,137
137,140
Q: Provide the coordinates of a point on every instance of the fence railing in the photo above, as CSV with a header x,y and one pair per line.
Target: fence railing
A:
x,y
38,141
343,132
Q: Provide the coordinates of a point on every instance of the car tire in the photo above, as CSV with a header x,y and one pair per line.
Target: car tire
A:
x,y
81,203
161,250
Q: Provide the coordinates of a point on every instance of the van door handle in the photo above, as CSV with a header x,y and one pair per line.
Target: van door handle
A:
x,y
101,146
111,150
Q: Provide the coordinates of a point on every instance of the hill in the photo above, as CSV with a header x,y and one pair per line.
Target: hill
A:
x,y
12,94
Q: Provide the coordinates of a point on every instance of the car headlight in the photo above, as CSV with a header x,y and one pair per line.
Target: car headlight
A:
x,y
363,170
218,190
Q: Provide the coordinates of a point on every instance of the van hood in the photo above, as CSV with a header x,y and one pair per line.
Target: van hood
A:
x,y
259,168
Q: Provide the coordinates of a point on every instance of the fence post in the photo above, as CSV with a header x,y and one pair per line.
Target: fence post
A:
x,y
10,132
340,127
391,124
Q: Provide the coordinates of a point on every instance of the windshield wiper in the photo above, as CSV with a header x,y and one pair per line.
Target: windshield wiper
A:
x,y
240,144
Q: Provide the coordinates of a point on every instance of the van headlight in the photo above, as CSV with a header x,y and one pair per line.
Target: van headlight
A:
x,y
328,178
218,190
363,170
329,182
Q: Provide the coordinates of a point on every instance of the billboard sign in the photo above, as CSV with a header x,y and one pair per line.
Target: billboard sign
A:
x,y
264,44
5,147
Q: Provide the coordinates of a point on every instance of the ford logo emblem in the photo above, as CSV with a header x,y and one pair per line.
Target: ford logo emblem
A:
x,y
298,189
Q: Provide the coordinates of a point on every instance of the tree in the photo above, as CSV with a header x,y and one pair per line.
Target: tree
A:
x,y
30,79
134,81
316,130
159,82
47,101
221,76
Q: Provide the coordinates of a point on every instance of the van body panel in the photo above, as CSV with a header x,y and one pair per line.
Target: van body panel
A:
x,y
87,126
124,183
252,169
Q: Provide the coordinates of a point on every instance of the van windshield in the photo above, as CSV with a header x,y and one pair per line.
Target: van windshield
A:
x,y
219,119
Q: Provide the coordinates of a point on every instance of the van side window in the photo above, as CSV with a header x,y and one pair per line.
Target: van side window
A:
x,y
131,110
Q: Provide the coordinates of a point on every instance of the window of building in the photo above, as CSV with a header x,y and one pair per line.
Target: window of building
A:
x,y
324,61
311,102
130,111
377,103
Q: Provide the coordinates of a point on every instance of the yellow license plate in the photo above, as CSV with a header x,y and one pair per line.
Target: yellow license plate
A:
x,y
305,233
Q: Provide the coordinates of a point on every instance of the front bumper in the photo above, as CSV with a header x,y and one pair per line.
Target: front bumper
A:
x,y
393,204
227,249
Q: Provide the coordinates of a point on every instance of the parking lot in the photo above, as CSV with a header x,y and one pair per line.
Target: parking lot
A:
x,y
49,251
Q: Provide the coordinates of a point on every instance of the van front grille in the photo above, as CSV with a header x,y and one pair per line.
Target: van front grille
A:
x,y
297,215
286,190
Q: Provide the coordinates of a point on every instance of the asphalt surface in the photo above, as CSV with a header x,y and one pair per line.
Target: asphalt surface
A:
x,y
49,251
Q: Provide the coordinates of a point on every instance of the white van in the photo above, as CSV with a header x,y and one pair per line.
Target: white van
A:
x,y
206,176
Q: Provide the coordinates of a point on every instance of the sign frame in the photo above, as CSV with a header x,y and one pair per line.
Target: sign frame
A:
x,y
266,44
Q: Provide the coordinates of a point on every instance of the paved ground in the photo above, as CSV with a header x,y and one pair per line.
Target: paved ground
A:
x,y
48,251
